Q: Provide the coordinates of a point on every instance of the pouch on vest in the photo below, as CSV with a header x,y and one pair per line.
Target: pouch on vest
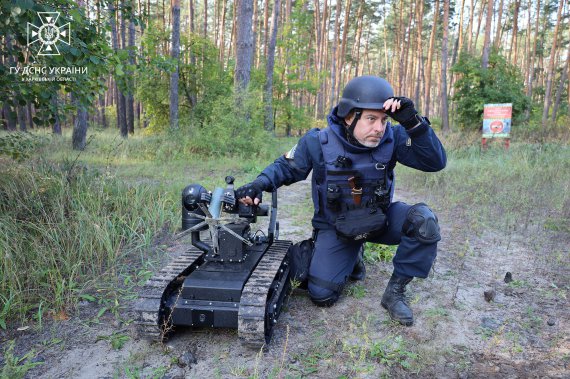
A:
x,y
300,256
360,223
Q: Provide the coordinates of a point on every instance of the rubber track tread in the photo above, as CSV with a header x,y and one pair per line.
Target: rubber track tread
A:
x,y
253,302
148,307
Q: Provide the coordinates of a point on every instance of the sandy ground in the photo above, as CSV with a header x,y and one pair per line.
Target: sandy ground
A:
x,y
522,333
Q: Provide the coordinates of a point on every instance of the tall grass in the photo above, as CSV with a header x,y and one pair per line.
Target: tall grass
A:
x,y
529,184
60,228
68,218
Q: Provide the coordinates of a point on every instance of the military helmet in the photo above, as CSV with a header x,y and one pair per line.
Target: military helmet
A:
x,y
364,92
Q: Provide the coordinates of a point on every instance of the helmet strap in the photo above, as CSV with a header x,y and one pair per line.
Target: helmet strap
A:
x,y
352,126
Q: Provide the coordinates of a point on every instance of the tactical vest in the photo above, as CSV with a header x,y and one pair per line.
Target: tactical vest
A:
x,y
370,171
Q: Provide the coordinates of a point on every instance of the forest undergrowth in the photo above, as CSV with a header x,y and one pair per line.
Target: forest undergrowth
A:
x,y
72,224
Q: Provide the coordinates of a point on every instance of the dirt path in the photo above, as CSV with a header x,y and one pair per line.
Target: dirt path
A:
x,y
522,333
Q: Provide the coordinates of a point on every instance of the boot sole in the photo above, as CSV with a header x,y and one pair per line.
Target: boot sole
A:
x,y
403,322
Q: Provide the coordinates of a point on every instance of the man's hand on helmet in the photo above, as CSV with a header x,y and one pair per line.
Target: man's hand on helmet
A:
x,y
402,110
250,193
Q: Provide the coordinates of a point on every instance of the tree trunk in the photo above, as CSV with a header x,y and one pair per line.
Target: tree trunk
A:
x,y
527,42
232,48
334,54
480,18
321,25
205,18
419,58
514,36
79,136
102,113
499,30
175,54
120,103
561,86
343,48
406,75
487,41
444,107
191,15
396,58
366,52
257,27
30,116
428,70
110,91
56,125
22,118
216,21
222,32
461,31
147,14
131,81
244,45
265,26
385,38
192,57
550,72
359,22
10,117
530,77
317,35
470,27
122,97
268,90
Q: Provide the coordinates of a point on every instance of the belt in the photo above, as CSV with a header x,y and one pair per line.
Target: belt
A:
x,y
354,191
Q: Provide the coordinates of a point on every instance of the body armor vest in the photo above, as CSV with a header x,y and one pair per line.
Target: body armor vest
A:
x,y
370,170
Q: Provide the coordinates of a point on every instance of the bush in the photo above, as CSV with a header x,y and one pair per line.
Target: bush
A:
x,y
501,82
232,129
19,145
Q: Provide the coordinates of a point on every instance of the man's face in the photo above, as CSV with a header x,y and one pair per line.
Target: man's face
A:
x,y
370,128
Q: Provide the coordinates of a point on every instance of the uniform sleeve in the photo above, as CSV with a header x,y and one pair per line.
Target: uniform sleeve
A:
x,y
293,166
419,148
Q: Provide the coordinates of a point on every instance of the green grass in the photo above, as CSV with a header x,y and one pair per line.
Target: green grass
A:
x,y
375,253
73,223
15,367
527,185
365,348
60,227
358,291
117,340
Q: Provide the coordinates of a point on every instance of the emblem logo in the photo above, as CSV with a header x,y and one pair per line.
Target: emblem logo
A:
x,y
48,34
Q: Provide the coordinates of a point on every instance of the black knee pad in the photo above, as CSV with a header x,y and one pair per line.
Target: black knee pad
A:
x,y
421,224
327,301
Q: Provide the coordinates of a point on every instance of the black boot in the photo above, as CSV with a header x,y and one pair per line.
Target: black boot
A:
x,y
359,270
394,300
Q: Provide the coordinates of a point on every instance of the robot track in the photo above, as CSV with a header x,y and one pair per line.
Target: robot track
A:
x,y
263,296
152,319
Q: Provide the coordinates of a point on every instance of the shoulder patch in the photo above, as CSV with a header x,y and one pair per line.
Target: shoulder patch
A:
x,y
291,153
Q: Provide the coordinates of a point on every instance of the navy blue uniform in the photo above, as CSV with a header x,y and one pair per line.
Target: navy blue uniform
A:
x,y
334,258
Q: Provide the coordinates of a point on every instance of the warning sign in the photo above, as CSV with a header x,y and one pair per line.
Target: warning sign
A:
x,y
497,120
